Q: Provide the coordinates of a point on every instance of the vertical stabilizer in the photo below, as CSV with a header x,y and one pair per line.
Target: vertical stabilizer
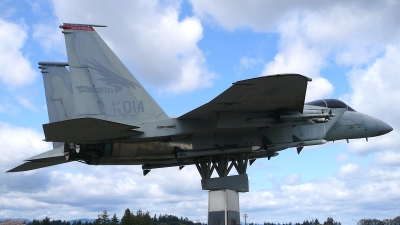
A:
x,y
58,89
102,86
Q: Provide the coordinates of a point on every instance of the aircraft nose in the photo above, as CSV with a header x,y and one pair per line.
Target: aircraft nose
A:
x,y
376,126
383,128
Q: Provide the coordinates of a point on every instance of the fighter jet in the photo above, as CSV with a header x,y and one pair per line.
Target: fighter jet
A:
x,y
100,114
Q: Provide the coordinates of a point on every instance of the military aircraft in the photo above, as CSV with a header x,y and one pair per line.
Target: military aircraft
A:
x,y
100,114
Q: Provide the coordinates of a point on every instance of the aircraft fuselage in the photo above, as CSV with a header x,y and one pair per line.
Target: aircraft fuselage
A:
x,y
162,138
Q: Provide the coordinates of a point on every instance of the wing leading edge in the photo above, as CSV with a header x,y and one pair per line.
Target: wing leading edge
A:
x,y
282,92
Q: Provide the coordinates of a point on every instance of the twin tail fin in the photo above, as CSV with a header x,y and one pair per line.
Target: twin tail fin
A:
x,y
102,87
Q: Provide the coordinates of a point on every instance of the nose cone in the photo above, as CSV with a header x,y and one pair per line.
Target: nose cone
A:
x,y
383,128
375,126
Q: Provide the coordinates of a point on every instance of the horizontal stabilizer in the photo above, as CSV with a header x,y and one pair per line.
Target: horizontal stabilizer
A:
x,y
87,130
60,64
36,165
49,155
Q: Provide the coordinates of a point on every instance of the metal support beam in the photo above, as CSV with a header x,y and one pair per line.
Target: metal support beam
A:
x,y
205,168
223,165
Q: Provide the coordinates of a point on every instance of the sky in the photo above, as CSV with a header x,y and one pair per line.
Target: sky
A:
x,y
185,53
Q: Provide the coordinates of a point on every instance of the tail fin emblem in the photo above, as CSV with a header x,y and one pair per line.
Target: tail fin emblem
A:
x,y
111,78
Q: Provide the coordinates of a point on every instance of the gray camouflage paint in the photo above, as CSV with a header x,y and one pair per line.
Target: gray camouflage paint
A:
x,y
100,86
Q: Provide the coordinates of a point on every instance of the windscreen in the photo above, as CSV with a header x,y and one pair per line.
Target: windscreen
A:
x,y
330,103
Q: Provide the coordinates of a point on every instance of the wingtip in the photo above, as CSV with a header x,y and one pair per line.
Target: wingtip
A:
x,y
16,169
13,170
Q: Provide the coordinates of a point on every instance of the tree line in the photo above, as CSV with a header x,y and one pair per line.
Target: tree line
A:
x,y
144,218
394,221
329,221
129,218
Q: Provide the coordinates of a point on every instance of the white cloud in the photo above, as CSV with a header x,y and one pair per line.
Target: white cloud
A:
x,y
49,37
27,102
297,56
348,169
390,158
342,158
292,179
375,91
18,143
7,107
148,35
318,88
249,63
375,144
85,191
35,6
378,85
355,192
348,33
15,68
327,21
258,15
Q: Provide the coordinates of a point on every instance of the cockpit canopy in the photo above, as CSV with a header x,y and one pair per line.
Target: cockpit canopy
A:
x,y
330,103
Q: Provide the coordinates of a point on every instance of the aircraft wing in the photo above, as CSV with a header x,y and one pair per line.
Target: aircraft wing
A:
x,y
282,92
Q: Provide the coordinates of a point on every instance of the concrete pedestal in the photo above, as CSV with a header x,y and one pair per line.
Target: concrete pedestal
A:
x,y
223,207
